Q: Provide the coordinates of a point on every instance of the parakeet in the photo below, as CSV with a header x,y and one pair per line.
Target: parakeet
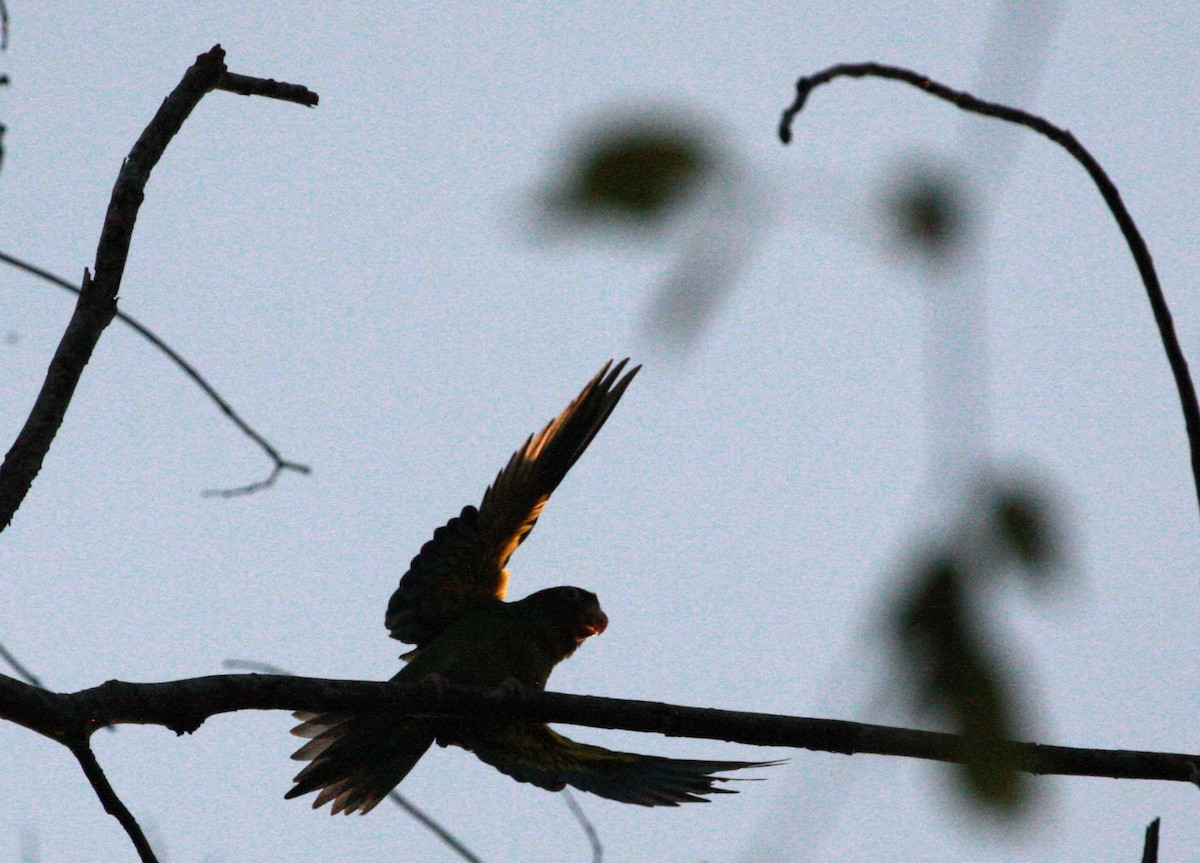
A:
x,y
450,604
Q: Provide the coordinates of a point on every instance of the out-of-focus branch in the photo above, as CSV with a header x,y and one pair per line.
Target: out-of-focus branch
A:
x,y
16,665
281,464
97,303
589,829
430,823
1133,237
184,705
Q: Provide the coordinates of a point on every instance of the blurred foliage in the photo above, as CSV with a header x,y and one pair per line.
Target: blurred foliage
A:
x,y
635,171
657,174
1027,526
928,211
953,658
959,679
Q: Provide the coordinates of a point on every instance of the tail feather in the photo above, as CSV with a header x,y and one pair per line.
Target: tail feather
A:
x,y
531,752
354,761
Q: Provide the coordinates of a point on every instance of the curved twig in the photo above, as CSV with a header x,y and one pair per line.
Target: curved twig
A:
x,y
589,829
1137,246
97,303
281,464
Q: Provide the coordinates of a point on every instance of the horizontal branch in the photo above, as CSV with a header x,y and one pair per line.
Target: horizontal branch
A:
x,y
183,705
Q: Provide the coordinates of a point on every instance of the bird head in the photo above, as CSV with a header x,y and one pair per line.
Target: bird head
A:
x,y
571,608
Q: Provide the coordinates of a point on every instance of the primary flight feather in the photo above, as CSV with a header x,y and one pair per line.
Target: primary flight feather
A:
x,y
450,605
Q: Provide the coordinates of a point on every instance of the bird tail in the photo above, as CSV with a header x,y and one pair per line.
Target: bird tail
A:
x,y
531,752
355,760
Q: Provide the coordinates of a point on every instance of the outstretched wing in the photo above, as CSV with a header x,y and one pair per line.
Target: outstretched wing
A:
x,y
535,754
463,565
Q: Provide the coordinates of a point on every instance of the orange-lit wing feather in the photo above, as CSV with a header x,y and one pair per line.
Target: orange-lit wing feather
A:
x,y
464,564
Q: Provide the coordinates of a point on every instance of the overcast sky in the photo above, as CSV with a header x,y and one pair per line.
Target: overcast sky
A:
x,y
366,282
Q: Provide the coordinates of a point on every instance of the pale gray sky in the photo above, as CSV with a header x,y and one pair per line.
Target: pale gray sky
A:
x,y
361,281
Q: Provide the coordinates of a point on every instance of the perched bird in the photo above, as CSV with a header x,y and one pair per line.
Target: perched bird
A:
x,y
450,604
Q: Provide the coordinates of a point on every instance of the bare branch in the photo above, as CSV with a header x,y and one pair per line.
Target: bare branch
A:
x,y
112,803
244,85
183,705
97,303
188,369
1133,237
98,296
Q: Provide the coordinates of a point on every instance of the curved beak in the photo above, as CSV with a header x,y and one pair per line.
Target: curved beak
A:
x,y
593,622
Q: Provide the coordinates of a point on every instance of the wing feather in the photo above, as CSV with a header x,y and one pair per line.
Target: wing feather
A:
x,y
542,757
464,564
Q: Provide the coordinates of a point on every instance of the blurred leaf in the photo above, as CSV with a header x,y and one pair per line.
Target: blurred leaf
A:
x,y
929,212
732,216
1025,524
636,171
944,647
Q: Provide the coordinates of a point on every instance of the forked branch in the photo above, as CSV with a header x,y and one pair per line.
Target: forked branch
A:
x,y
94,310
97,303
184,705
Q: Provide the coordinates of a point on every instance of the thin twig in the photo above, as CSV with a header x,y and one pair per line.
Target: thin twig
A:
x,y
25,674
589,830
437,829
188,369
1137,246
112,803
